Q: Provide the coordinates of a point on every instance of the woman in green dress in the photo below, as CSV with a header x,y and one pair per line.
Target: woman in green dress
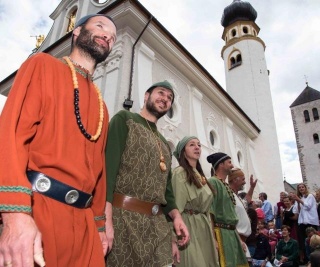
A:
x,y
193,198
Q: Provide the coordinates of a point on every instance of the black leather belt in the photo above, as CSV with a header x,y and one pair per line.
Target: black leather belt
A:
x,y
59,191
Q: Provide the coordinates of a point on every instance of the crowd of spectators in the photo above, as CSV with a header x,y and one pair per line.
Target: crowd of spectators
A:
x,y
284,234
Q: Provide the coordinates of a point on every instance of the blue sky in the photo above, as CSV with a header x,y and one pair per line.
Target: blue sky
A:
x,y
289,29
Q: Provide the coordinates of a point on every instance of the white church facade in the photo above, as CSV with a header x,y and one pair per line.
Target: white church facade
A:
x,y
239,122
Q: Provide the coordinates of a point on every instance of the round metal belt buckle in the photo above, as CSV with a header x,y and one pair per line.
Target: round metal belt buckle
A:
x,y
72,196
155,210
42,184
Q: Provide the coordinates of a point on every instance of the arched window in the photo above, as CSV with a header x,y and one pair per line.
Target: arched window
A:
x,y
233,33
72,20
245,30
239,156
315,114
170,113
316,138
232,62
212,138
306,116
239,59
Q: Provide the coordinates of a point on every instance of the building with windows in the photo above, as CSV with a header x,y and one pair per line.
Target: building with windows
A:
x,y
305,117
145,53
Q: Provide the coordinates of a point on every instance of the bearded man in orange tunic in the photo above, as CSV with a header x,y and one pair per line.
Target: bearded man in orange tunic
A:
x,y
52,139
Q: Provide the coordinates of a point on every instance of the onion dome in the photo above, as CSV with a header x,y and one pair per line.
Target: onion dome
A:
x,y
238,10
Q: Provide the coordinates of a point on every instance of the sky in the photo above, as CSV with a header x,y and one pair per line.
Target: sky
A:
x,y
289,28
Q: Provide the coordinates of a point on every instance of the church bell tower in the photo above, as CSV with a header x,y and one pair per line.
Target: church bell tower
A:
x,y
247,82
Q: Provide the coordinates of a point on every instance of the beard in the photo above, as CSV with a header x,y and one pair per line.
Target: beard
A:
x,y
150,106
85,42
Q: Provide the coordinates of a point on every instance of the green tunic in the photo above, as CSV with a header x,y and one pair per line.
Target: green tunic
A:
x,y
229,247
132,159
288,249
200,251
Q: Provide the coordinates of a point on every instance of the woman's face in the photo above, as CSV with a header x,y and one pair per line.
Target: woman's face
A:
x,y
192,150
285,232
302,189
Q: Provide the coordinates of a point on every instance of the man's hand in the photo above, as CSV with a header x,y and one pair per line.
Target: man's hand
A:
x,y
179,227
104,242
109,227
253,182
175,253
244,246
20,241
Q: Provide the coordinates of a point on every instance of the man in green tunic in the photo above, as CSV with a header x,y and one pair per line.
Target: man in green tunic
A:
x,y
139,189
231,253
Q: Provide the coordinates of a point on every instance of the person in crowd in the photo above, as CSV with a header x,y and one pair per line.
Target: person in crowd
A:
x,y
287,252
52,132
310,231
266,207
278,209
236,180
230,246
257,204
315,255
262,254
274,236
290,216
193,197
262,229
251,239
139,186
308,215
318,204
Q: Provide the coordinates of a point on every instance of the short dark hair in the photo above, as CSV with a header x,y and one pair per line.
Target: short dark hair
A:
x,y
286,227
264,195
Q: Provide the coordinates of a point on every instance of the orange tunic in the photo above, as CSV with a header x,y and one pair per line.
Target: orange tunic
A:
x,y
38,131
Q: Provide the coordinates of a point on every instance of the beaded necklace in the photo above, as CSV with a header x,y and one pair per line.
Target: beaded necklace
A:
x,y
76,104
230,192
202,180
162,164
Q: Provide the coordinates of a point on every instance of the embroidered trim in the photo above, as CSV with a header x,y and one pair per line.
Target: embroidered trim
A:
x,y
102,229
15,208
16,189
99,218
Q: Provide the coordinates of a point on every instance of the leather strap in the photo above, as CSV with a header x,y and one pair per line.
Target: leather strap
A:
x,y
136,205
59,191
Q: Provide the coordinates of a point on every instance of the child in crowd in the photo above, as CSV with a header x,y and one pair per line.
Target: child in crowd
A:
x,y
274,236
262,254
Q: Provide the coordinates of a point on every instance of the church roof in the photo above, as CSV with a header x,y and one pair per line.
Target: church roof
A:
x,y
308,94
238,10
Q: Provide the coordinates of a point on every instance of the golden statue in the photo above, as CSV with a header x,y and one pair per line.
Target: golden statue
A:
x,y
39,40
72,21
